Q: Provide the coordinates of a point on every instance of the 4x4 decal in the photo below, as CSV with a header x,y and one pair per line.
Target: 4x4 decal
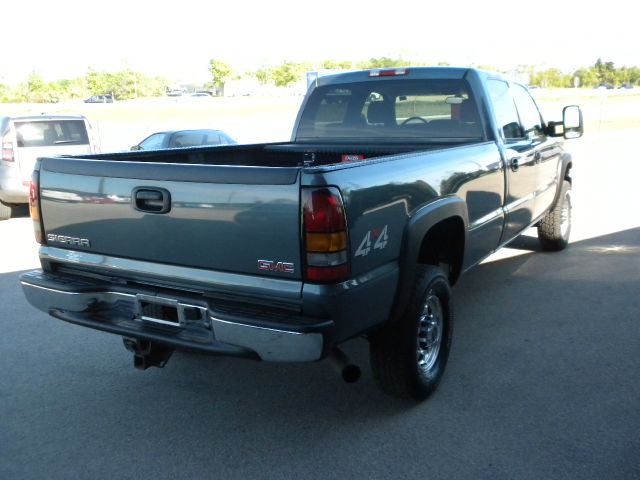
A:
x,y
379,239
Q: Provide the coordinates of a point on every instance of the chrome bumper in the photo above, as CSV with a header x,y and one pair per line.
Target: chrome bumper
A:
x,y
198,325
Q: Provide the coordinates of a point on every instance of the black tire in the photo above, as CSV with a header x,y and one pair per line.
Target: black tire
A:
x,y
403,362
555,227
5,211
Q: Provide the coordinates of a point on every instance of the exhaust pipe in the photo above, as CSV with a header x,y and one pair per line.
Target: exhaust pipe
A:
x,y
349,372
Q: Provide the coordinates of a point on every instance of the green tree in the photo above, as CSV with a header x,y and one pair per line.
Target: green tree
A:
x,y
337,65
36,89
220,73
605,71
263,75
5,93
551,78
588,77
634,75
288,73
383,62
98,82
71,88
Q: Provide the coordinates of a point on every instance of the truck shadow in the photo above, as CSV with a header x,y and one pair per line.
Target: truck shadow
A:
x,y
525,325
505,299
525,242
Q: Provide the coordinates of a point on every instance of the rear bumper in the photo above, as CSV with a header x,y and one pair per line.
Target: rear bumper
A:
x,y
12,189
199,325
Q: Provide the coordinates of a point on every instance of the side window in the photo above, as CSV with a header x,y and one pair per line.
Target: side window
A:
x,y
214,139
333,107
73,132
529,114
154,142
187,140
505,109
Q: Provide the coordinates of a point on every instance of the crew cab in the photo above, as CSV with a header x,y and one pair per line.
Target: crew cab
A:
x,y
395,182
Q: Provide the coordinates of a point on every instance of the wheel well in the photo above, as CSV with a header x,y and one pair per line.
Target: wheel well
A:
x,y
443,246
567,169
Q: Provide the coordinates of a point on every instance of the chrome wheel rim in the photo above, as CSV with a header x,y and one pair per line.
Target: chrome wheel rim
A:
x,y
565,215
430,326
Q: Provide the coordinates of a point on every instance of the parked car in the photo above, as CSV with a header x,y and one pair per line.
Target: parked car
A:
x,y
626,86
184,138
108,98
26,138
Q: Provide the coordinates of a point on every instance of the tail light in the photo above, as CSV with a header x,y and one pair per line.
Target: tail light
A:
x,y
7,151
325,235
34,207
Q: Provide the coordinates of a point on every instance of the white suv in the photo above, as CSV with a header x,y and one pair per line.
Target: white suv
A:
x,y
24,139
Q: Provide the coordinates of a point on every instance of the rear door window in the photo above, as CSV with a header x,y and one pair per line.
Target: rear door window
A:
x,y
505,109
51,133
530,117
187,140
214,139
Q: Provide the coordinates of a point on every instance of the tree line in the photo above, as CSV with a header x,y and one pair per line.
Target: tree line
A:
x,y
123,85
127,84
601,73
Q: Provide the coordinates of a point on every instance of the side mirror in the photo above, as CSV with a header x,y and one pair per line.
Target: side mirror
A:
x,y
571,126
136,148
572,121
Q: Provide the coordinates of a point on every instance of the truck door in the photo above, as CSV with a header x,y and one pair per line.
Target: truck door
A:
x,y
519,154
546,151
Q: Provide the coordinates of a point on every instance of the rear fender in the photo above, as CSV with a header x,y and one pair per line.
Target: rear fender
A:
x,y
416,231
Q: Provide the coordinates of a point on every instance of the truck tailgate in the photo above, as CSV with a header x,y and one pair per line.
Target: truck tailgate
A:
x,y
225,218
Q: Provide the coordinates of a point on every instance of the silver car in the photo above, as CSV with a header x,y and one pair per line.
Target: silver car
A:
x,y
26,138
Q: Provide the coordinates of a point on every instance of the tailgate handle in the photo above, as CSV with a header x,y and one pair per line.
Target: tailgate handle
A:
x,y
151,200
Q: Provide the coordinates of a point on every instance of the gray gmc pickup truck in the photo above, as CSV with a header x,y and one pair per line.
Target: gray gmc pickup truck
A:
x,y
396,182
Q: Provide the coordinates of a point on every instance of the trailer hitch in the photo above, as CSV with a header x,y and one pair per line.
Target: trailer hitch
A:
x,y
147,354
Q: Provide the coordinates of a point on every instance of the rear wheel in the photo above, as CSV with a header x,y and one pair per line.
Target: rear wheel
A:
x,y
555,227
408,358
5,211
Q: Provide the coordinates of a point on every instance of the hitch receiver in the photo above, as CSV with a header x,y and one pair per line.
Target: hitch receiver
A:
x,y
147,354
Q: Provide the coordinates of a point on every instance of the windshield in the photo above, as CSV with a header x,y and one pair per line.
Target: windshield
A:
x,y
53,132
417,110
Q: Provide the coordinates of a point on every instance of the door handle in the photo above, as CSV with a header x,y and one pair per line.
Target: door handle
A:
x,y
151,199
514,163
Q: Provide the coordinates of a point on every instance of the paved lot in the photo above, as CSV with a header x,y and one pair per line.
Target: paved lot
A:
x,y
543,380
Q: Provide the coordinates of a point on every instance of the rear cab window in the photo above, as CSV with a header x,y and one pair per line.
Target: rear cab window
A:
x,y
416,109
51,133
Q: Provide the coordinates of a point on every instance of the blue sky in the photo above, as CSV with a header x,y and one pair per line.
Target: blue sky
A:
x,y
176,39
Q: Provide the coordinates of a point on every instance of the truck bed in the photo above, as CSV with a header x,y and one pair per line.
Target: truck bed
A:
x,y
273,154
